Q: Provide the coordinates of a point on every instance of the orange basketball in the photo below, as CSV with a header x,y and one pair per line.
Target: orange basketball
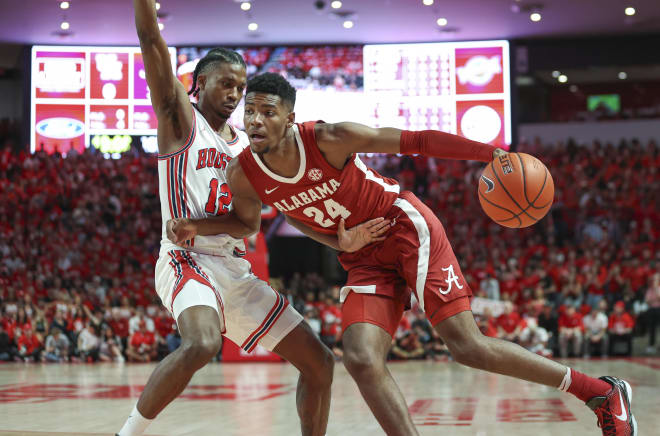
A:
x,y
516,190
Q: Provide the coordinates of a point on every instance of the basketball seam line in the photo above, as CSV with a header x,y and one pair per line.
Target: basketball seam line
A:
x,y
545,178
515,215
529,205
492,165
524,210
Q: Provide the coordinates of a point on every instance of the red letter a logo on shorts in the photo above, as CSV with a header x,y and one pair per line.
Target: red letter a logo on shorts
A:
x,y
451,278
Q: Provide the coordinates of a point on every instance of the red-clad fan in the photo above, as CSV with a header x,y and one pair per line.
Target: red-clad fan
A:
x,y
620,321
29,346
509,323
621,324
571,330
142,345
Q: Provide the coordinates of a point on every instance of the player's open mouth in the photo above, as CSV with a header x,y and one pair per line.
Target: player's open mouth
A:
x,y
255,137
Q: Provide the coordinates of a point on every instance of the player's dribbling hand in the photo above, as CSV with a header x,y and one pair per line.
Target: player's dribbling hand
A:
x,y
181,230
498,152
363,234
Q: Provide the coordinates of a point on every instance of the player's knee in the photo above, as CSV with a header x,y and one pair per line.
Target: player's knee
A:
x,y
363,362
322,370
469,350
199,351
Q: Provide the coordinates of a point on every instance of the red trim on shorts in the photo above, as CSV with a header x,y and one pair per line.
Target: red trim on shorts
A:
x,y
449,309
279,315
185,269
280,305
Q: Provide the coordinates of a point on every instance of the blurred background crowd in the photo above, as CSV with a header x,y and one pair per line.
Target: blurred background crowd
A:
x,y
79,238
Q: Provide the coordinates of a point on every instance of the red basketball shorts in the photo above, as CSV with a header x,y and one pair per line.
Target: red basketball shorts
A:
x,y
416,255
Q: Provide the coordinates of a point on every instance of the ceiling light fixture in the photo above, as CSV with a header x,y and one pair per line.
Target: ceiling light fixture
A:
x,y
427,2
442,22
623,75
252,27
555,74
562,78
64,25
65,5
158,6
348,24
535,17
336,4
630,11
246,6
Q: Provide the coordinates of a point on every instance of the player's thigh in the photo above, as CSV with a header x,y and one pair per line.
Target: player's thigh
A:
x,y
190,295
428,263
256,314
379,311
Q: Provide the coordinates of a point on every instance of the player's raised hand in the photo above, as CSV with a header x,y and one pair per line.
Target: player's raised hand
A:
x,y
181,230
363,234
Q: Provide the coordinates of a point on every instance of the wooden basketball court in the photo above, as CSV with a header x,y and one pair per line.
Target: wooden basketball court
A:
x,y
259,399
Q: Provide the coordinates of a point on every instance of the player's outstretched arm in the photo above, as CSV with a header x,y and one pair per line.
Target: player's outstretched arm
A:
x,y
168,96
343,139
242,221
348,240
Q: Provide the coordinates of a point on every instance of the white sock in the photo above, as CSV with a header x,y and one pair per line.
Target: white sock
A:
x,y
566,382
135,425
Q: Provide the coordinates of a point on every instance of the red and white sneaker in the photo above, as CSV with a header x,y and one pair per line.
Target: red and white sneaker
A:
x,y
613,409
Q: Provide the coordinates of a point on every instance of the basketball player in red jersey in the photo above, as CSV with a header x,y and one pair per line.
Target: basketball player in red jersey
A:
x,y
207,286
311,172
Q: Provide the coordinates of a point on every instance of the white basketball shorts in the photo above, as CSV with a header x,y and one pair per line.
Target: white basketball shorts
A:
x,y
250,311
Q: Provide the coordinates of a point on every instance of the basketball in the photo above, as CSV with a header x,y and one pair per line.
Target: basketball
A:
x,y
516,190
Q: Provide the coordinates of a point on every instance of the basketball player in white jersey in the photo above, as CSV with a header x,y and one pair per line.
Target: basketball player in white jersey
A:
x,y
207,286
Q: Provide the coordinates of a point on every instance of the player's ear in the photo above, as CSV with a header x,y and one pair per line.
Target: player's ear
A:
x,y
290,119
201,81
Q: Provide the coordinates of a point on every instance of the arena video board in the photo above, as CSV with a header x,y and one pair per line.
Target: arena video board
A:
x,y
89,96
328,79
457,87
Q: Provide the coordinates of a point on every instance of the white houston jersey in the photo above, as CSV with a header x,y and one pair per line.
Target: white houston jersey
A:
x,y
193,184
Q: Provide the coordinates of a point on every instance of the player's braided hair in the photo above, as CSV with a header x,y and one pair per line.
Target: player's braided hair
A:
x,y
213,57
272,83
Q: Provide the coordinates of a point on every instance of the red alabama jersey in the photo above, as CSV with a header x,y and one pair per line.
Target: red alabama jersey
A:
x,y
319,195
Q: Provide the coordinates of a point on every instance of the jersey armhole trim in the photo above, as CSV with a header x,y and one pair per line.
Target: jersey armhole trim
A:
x,y
234,138
189,140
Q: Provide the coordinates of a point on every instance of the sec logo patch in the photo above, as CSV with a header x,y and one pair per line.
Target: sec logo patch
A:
x,y
315,174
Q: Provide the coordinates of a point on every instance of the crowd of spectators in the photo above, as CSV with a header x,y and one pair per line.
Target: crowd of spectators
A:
x,y
79,237
338,67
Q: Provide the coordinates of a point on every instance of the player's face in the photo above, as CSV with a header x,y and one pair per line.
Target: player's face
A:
x,y
222,88
266,119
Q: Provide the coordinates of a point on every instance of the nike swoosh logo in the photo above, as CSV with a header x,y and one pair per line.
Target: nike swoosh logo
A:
x,y
624,414
489,183
268,191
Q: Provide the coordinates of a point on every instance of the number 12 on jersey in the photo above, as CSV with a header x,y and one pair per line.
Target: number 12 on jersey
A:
x,y
219,200
334,210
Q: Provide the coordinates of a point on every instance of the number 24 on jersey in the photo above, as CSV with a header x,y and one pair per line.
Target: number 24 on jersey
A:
x,y
333,209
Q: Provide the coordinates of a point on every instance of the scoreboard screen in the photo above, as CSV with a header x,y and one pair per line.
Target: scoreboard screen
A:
x,y
457,87
79,94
